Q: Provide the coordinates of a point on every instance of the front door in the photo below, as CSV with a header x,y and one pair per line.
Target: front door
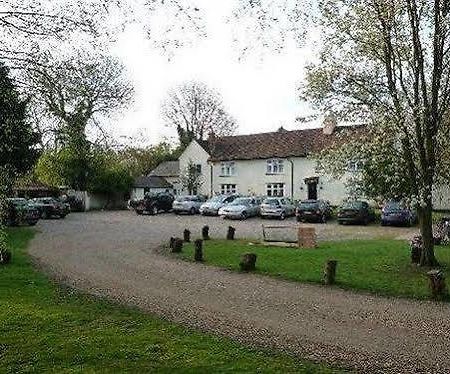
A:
x,y
312,191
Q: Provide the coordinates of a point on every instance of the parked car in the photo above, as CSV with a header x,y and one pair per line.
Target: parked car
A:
x,y
242,208
49,207
66,205
313,211
358,212
212,206
154,203
19,211
188,204
396,213
277,207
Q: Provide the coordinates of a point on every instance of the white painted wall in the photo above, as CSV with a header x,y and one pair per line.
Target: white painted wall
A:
x,y
194,152
251,178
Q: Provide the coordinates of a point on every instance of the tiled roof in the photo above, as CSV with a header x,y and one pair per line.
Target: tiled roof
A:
x,y
282,144
167,169
151,181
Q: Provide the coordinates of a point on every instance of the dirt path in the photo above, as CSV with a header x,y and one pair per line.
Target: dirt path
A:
x,y
111,254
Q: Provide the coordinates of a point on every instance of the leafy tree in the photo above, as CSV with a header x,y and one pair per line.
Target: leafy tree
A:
x,y
196,111
190,179
387,63
110,176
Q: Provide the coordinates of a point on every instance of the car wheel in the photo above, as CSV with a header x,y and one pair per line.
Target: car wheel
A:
x,y
244,215
298,219
192,211
283,216
139,212
62,216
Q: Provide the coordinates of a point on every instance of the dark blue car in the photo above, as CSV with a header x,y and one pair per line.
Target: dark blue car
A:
x,y
395,213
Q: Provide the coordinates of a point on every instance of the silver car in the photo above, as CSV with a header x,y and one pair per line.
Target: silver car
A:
x,y
212,206
241,208
277,207
188,204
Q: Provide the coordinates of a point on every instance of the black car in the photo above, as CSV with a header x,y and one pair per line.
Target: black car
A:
x,y
397,214
313,211
358,212
49,207
19,212
152,204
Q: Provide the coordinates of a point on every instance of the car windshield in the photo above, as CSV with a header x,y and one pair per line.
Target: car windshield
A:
x,y
186,198
18,202
217,199
241,201
394,205
352,205
309,205
273,202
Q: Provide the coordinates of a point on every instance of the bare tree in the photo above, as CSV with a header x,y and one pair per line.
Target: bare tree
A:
x,y
196,111
191,179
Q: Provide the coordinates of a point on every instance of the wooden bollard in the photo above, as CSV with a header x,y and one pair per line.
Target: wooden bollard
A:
x,y
329,275
187,236
177,245
437,283
307,237
248,262
205,232
230,233
416,247
171,242
198,255
5,257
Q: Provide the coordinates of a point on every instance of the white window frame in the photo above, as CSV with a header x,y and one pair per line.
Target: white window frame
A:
x,y
228,169
354,166
275,189
275,166
226,189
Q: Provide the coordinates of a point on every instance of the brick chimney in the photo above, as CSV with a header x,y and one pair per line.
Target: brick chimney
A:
x,y
329,123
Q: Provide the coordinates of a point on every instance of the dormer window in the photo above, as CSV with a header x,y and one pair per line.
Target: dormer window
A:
x,y
275,166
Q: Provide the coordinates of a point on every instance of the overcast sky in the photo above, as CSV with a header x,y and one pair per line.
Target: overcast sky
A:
x,y
259,91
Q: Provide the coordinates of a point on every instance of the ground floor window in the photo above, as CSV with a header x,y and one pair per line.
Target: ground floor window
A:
x,y
227,189
275,189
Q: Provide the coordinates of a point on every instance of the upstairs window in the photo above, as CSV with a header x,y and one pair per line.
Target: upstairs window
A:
x,y
354,166
226,189
275,166
227,169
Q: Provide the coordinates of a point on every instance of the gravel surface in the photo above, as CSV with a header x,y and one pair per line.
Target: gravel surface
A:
x,y
113,254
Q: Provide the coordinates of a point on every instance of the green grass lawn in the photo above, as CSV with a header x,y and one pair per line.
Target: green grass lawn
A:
x,y
45,328
377,266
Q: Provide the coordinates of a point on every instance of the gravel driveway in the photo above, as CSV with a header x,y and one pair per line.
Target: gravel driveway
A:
x,y
112,254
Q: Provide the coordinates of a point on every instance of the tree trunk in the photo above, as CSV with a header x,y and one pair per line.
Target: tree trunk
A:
x,y
426,229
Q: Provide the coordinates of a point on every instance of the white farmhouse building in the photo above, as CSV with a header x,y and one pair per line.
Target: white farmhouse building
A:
x,y
267,164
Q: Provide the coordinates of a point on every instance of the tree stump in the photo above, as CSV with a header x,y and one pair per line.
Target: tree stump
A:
x,y
248,262
230,233
205,233
437,283
177,245
416,246
198,255
187,236
329,276
5,257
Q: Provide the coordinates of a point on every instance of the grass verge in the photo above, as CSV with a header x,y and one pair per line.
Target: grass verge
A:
x,y
377,266
44,327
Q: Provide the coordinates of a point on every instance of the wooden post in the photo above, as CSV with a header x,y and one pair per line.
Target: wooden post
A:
x,y
437,283
205,232
248,262
171,242
187,235
230,233
329,275
307,237
5,257
198,256
177,245
416,247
